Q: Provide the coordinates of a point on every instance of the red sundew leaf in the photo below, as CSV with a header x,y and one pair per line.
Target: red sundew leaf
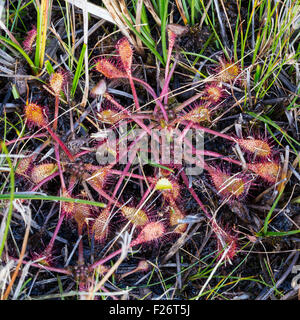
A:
x,y
126,54
259,147
225,240
168,187
198,114
227,185
109,70
268,171
152,231
231,243
23,166
214,93
135,216
99,177
35,115
67,207
81,214
29,40
100,225
58,81
228,71
175,215
42,171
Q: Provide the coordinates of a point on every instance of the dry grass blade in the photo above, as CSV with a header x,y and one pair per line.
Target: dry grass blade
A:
x,y
123,7
5,272
295,256
180,242
181,11
125,245
150,8
213,272
27,219
138,22
117,9
284,170
12,38
23,277
2,3
7,57
93,9
44,14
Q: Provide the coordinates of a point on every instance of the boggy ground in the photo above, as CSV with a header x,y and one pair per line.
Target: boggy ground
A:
x,y
75,228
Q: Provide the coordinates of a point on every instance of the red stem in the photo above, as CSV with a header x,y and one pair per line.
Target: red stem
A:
x,y
101,192
56,112
149,190
172,39
121,108
62,145
164,92
125,171
135,98
133,243
186,103
215,227
102,261
156,99
57,228
40,266
128,174
39,135
211,154
63,185
193,193
52,176
213,132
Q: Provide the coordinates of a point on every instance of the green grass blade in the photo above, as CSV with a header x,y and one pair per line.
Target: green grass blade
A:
x,y
268,217
281,234
23,53
164,21
25,196
145,41
43,14
78,71
273,124
49,67
11,197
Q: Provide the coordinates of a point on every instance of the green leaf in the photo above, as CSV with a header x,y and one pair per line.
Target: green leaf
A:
x,y
296,200
145,41
159,166
78,71
23,53
25,196
268,217
49,67
10,197
280,234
